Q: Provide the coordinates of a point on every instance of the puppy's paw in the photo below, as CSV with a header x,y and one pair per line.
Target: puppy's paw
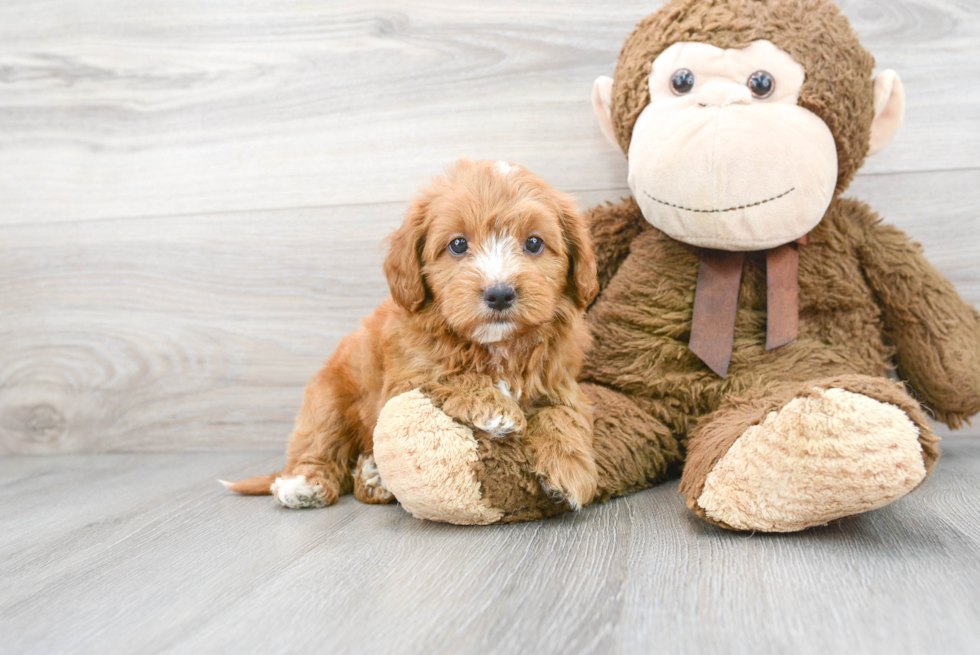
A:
x,y
570,478
502,424
368,485
297,492
498,419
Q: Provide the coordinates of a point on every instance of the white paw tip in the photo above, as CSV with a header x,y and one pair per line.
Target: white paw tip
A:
x,y
370,474
225,483
295,493
499,426
493,424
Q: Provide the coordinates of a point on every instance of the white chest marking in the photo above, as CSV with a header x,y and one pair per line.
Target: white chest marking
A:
x,y
489,333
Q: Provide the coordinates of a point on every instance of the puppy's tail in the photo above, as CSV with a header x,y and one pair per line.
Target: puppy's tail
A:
x,y
255,486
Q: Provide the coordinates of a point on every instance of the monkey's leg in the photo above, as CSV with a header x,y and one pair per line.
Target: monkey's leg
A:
x,y
443,471
807,454
633,450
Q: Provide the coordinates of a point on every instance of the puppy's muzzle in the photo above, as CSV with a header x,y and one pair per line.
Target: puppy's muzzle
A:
x,y
499,297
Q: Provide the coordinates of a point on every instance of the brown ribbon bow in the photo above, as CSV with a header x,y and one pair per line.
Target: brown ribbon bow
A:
x,y
716,302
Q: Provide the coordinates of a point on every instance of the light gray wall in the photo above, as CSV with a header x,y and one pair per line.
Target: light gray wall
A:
x,y
193,193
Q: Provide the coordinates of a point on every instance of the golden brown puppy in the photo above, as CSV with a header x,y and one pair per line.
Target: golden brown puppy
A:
x,y
489,276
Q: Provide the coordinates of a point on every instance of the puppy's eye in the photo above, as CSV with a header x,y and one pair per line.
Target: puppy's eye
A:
x,y
458,246
682,82
534,245
761,84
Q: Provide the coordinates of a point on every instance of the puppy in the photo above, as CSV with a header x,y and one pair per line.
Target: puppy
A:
x,y
490,275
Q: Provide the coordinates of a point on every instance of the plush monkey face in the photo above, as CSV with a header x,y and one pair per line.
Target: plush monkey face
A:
x,y
723,156
742,145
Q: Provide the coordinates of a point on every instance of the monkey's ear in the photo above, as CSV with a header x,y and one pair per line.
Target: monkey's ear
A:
x,y
403,264
889,110
602,106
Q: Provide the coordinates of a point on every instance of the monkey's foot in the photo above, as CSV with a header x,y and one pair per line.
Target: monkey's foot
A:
x,y
822,456
427,461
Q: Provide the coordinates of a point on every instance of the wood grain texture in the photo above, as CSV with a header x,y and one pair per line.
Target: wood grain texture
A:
x,y
120,109
193,195
199,332
145,553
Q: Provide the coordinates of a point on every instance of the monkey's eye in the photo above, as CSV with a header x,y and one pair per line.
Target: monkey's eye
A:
x,y
458,246
682,82
534,245
761,84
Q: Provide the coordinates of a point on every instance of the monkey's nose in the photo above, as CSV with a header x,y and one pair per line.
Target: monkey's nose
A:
x,y
499,297
722,94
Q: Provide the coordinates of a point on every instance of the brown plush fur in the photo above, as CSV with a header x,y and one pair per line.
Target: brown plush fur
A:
x,y
428,335
870,303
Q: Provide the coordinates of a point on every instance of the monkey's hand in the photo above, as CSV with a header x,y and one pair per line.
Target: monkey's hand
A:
x,y
936,333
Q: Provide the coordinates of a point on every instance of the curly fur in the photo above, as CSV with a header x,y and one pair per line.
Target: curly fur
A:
x,y
432,335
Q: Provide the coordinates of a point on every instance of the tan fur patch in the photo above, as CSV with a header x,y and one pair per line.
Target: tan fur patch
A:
x,y
426,459
817,459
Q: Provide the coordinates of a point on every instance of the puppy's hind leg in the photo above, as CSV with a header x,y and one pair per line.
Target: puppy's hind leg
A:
x,y
311,484
320,450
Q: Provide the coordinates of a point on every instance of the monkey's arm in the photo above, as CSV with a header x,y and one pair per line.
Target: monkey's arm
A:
x,y
936,333
613,229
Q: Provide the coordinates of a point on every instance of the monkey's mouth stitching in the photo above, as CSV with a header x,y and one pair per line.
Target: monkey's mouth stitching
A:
x,y
719,211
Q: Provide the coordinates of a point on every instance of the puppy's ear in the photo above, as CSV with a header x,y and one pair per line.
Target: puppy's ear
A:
x,y
403,264
583,279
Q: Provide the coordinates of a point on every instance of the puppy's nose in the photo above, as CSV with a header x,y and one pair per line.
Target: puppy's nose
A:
x,y
499,296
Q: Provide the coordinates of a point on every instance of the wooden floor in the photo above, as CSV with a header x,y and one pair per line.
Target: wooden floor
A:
x,y
192,198
146,553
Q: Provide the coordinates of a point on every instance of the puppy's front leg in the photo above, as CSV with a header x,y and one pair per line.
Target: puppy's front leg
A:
x,y
473,399
560,439
368,486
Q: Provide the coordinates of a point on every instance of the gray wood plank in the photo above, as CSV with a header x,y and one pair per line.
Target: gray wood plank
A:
x,y
145,553
199,332
100,500
122,109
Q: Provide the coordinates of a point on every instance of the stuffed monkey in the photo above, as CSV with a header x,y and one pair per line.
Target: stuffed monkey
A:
x,y
749,315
